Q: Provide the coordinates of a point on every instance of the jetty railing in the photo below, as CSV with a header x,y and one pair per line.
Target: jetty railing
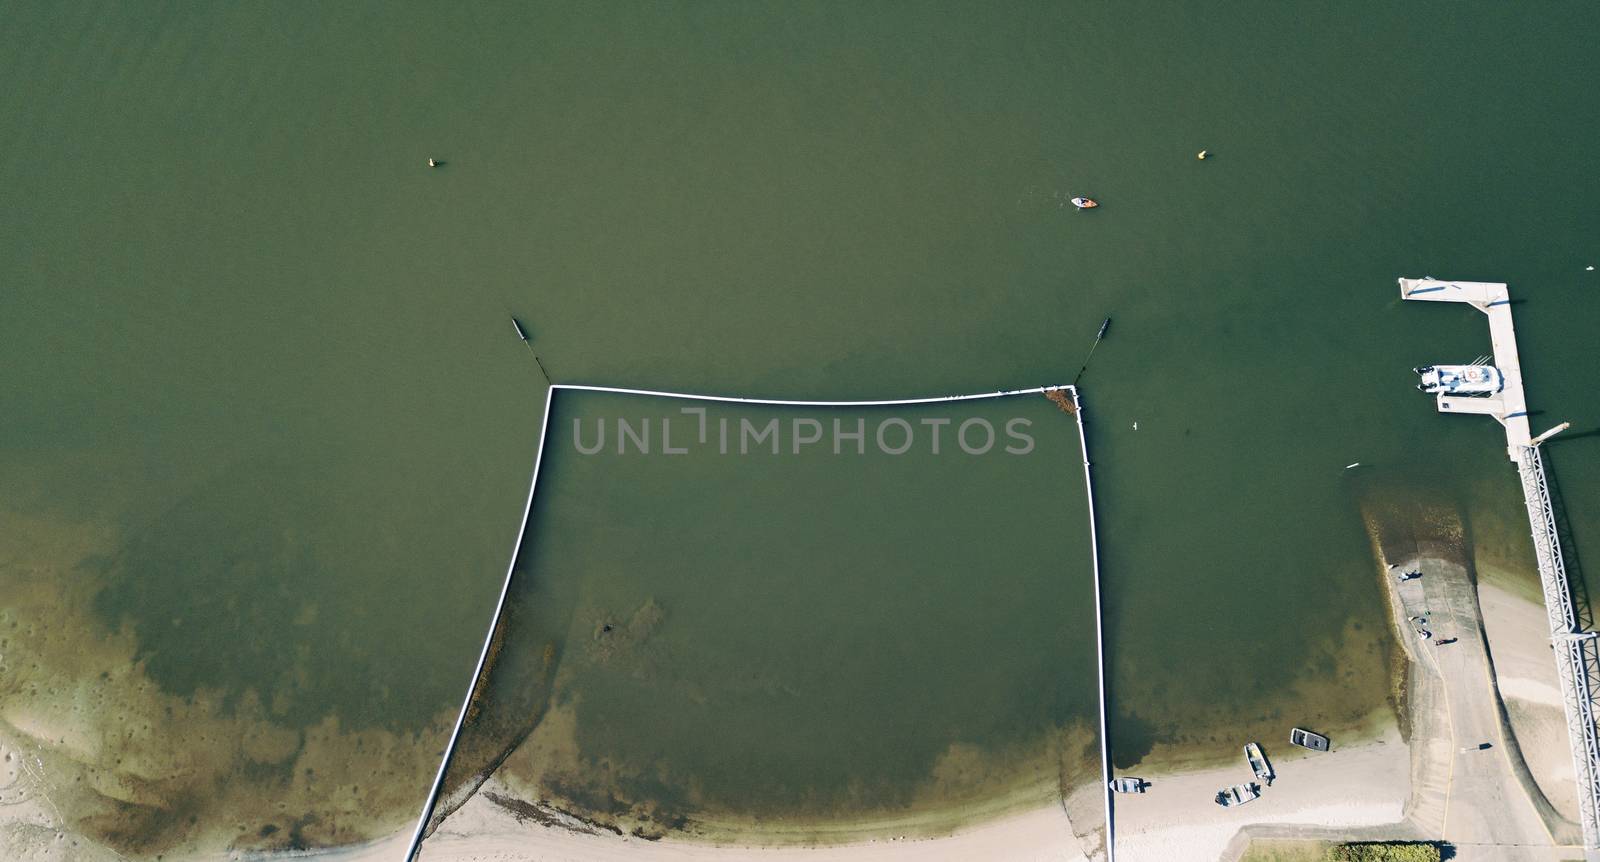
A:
x,y
1575,649
431,803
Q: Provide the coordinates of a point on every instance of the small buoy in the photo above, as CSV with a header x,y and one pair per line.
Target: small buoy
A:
x,y
1352,466
1203,154
432,163
1588,269
1136,426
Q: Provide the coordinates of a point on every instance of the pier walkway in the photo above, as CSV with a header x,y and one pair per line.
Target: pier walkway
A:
x,y
1509,406
1577,661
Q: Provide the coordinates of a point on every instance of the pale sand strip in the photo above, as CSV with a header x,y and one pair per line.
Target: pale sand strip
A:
x,y
481,831
1361,786
1519,640
1177,819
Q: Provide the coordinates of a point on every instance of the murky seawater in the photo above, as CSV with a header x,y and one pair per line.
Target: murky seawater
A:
x,y
812,613
265,432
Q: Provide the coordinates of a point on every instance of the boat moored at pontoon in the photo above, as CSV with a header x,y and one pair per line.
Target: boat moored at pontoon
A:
x,y
1460,379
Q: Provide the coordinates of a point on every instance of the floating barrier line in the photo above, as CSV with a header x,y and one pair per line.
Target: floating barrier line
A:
x,y
483,656
527,509
1099,631
730,399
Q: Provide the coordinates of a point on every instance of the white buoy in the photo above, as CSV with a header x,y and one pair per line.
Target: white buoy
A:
x,y
1136,426
432,163
1588,269
1203,154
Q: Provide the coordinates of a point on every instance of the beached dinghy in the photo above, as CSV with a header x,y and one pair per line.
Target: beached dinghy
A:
x,y
1238,794
1258,763
1085,203
1306,739
1128,784
1460,379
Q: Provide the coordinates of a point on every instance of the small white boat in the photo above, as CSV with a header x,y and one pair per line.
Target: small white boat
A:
x,y
1258,763
1085,203
1238,794
1306,739
1460,379
1128,784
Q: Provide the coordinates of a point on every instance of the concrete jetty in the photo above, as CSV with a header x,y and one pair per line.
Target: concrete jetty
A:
x,y
1574,647
1509,406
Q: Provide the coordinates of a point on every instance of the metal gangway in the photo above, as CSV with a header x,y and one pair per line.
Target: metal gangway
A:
x,y
1574,645
1575,648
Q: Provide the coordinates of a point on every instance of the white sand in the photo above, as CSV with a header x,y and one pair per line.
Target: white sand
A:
x,y
483,832
1177,819
1519,636
1518,633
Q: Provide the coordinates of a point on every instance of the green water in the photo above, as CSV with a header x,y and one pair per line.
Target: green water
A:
x,y
266,432
806,632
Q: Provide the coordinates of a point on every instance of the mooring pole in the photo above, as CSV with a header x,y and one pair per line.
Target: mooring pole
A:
x,y
523,334
1097,337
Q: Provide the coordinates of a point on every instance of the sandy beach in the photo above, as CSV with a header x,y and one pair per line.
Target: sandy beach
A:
x,y
1361,786
484,832
1176,818
1376,788
1517,635
1381,787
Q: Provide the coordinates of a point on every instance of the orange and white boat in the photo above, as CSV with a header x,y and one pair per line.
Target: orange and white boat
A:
x,y
1085,203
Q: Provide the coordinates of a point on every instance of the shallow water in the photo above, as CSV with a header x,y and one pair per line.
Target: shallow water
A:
x,y
797,629
268,430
